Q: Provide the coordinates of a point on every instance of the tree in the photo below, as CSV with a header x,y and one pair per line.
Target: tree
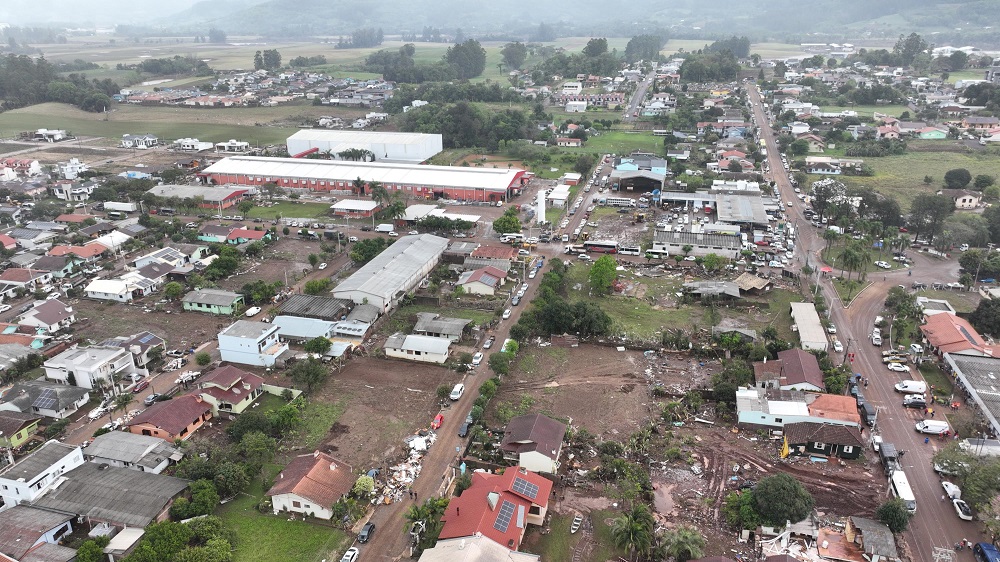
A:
x,y
468,59
584,163
248,422
245,207
602,274
500,362
514,54
983,181
92,550
894,515
257,449
230,479
986,317
596,47
508,222
271,59
633,530
202,358
308,373
316,286
216,35
173,290
713,262
799,147
121,402
781,498
957,178
318,345
364,486
313,260
365,250
684,543
162,541
909,47
258,61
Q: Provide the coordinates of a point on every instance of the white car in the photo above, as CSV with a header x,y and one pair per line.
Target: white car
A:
x,y
789,255
506,314
96,413
531,274
321,266
412,232
962,509
351,555
393,234
4,307
832,329
838,347
352,239
916,348
583,257
477,359
898,367
774,263
457,392
253,311
883,265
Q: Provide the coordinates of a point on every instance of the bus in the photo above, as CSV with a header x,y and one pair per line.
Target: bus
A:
x,y
511,237
620,202
901,489
601,246
652,254
630,250
167,211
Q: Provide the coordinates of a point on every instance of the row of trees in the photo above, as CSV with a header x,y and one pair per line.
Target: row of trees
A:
x,y
26,81
268,59
715,66
465,125
462,61
362,38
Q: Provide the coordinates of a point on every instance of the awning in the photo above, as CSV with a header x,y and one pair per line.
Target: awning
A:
x,y
826,269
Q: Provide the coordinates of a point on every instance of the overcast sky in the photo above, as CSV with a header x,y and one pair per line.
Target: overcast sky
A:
x,y
103,12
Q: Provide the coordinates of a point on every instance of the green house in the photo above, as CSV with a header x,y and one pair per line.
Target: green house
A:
x,y
212,301
16,428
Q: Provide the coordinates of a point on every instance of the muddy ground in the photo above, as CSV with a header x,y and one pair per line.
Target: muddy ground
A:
x,y
386,400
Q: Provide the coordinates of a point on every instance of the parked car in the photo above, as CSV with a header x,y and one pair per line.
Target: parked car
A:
x,y
489,343
962,509
438,421
351,555
367,532
831,329
393,234
151,399
914,401
953,491
477,358
838,347
464,430
252,311
175,353
321,266
506,314
5,307
898,367
459,390
140,386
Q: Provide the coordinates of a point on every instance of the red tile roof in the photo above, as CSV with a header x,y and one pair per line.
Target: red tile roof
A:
x,y
949,333
317,477
242,233
479,507
21,275
488,275
801,367
495,252
835,407
7,242
226,384
89,251
174,415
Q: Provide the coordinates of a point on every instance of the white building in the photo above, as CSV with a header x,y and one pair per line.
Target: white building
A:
x,y
68,191
251,343
559,196
576,106
386,147
72,169
192,145
385,280
89,367
110,290
144,453
310,484
32,476
141,142
233,146
426,349
572,88
296,328
812,337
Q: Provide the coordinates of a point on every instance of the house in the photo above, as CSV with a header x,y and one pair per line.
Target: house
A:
x,y
214,233
7,242
713,289
832,440
27,278
139,346
930,307
230,390
27,479
483,281
45,399
155,272
858,539
569,141
115,496
534,441
72,169
31,534
243,235
163,256
51,316
112,289
89,367
136,452
310,484
980,123
294,328
435,325
576,106
172,419
16,428
385,280
320,307
141,142
948,333
58,266
251,343
770,409
425,349
816,144
213,301
795,369
477,548
72,192
89,253
963,198
499,507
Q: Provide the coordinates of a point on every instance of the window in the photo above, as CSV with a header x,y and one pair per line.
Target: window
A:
x,y
848,448
296,504
818,445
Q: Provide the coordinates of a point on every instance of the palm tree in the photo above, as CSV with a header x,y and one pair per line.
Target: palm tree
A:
x,y
359,186
684,543
121,402
849,260
633,531
379,193
830,236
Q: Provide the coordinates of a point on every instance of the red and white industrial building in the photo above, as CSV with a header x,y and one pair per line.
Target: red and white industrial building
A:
x,y
416,180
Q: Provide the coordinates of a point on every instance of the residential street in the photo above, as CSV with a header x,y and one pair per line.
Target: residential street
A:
x,y
935,523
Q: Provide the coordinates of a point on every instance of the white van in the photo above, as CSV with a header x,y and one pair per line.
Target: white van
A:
x,y
911,387
901,489
876,339
384,227
934,427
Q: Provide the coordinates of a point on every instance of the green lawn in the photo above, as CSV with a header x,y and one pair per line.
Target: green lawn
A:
x,y
780,313
559,543
620,142
269,538
937,378
963,302
964,75
317,419
902,176
290,209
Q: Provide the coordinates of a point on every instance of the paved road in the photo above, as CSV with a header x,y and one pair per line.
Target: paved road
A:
x,y
637,97
936,523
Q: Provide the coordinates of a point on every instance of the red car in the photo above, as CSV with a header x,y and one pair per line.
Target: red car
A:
x,y
438,421
140,386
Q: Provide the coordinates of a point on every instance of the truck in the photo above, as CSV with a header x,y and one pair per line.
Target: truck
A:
x,y
890,459
123,207
384,227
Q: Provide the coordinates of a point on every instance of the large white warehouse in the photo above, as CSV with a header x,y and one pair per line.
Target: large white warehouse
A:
x,y
397,270
387,147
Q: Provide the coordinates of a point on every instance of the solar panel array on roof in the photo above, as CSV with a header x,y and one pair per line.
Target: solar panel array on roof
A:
x,y
967,335
147,338
525,488
46,399
503,519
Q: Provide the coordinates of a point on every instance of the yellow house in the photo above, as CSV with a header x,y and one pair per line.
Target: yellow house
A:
x,y
16,428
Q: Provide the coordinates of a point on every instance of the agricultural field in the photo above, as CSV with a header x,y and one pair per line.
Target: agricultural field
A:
x,y
903,176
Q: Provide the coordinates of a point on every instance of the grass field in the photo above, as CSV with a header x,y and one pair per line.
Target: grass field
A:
x,y
289,209
903,176
965,75
270,538
559,543
620,142
869,110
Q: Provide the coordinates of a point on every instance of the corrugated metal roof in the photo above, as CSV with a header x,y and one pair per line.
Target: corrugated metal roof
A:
x,y
395,267
495,179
